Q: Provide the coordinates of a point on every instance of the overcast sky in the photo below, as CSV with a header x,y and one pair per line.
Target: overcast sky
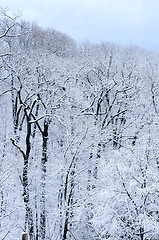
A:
x,y
119,21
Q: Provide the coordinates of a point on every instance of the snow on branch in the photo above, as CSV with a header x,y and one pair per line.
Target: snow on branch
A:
x,y
38,119
126,190
5,54
4,12
5,92
18,147
116,115
6,31
6,235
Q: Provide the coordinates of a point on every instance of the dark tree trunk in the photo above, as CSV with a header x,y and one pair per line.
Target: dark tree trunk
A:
x,y
142,233
65,227
29,214
43,182
24,236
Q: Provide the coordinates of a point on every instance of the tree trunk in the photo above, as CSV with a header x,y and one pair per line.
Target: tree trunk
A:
x,y
25,236
29,214
43,182
141,233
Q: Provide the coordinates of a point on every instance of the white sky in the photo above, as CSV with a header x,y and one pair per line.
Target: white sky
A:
x,y
119,21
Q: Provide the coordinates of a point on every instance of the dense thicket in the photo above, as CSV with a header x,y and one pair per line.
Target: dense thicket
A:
x,y
79,137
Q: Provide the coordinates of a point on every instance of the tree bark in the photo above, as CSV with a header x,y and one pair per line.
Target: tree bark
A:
x,y
43,182
29,214
25,236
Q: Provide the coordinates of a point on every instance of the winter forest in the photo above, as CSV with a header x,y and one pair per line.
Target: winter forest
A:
x,y
79,137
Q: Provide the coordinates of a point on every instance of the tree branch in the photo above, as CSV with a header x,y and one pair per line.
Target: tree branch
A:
x,y
19,148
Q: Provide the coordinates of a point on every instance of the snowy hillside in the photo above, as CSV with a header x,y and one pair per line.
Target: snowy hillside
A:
x,y
79,130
